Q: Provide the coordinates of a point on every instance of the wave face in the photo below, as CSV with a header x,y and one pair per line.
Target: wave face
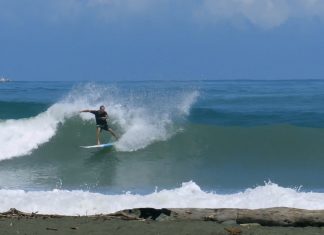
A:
x,y
189,195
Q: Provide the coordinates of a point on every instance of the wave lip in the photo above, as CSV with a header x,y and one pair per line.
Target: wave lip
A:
x,y
189,195
20,137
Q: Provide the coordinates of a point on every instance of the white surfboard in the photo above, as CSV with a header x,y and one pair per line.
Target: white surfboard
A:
x,y
99,146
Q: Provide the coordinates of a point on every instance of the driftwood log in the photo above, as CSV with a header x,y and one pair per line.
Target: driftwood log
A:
x,y
280,216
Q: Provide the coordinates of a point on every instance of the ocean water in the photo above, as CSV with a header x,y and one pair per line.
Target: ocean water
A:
x,y
203,144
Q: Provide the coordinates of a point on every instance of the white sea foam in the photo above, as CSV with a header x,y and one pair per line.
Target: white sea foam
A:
x,y
189,195
140,118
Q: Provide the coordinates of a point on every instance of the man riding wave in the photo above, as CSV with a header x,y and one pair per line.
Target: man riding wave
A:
x,y
101,121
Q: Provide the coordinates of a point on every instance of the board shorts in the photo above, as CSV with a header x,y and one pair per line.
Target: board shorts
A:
x,y
103,127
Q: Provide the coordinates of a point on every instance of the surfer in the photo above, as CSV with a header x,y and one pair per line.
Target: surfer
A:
x,y
101,121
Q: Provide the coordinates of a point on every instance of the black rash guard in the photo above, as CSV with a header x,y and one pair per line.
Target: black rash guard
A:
x,y
99,116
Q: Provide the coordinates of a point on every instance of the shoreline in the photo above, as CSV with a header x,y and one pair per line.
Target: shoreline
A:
x,y
281,220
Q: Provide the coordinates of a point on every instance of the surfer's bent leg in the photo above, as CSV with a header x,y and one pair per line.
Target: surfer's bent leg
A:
x,y
113,133
107,128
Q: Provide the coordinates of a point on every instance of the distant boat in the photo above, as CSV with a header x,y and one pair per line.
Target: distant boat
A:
x,y
2,79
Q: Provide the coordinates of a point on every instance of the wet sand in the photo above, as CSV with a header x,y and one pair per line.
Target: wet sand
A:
x,y
145,221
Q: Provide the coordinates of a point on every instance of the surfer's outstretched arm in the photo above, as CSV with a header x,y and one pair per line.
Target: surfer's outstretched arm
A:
x,y
86,111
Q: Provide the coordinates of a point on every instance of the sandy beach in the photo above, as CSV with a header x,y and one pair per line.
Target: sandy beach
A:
x,y
167,221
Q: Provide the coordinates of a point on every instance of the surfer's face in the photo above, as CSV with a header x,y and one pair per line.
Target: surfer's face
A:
x,y
102,108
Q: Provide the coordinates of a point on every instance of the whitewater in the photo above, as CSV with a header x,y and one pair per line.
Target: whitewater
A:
x,y
189,195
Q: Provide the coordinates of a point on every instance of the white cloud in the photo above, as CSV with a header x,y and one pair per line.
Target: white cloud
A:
x,y
262,13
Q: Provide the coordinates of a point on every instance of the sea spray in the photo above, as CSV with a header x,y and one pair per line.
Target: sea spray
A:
x,y
141,117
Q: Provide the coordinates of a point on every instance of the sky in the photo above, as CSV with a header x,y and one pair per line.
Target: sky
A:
x,y
161,39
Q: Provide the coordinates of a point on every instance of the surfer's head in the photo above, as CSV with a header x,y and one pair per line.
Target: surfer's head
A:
x,y
102,108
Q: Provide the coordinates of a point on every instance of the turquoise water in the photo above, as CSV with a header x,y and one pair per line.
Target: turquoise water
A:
x,y
224,135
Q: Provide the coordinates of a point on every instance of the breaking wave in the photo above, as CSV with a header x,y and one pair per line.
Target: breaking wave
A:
x,y
141,117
